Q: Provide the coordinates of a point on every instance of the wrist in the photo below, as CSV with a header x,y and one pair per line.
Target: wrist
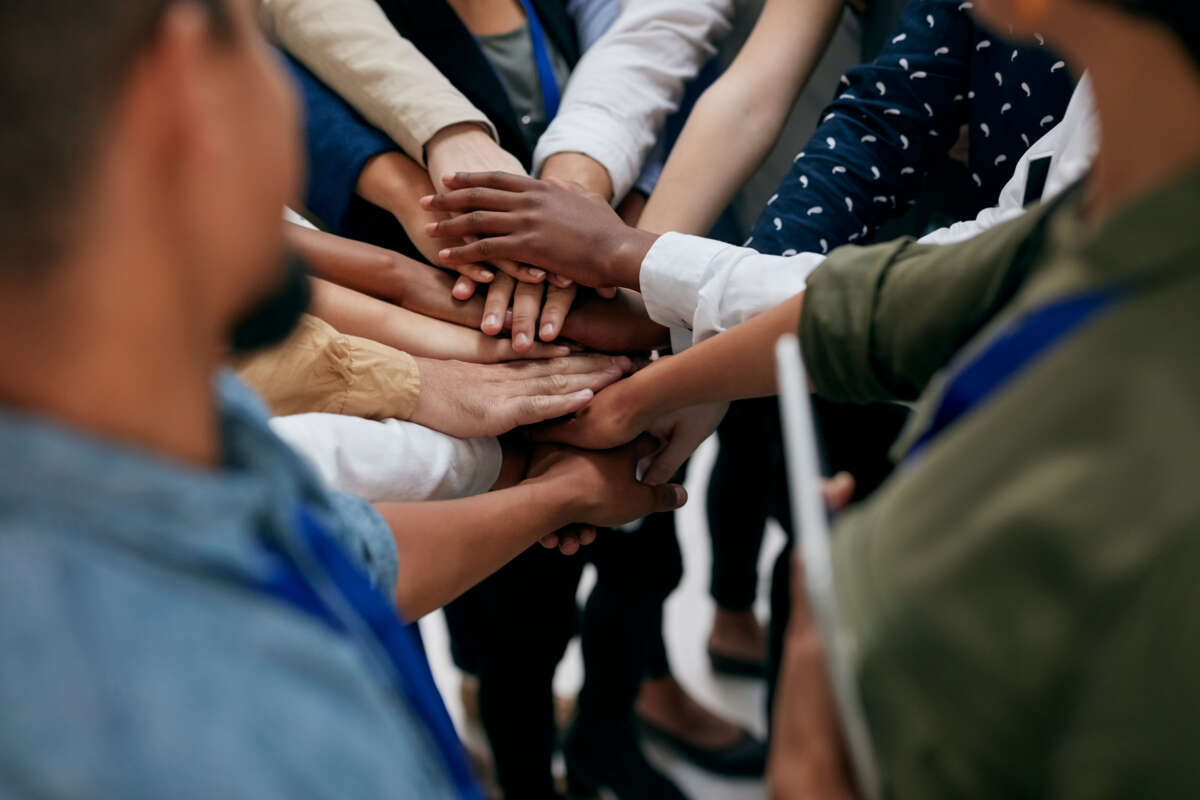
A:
x,y
582,169
626,256
563,496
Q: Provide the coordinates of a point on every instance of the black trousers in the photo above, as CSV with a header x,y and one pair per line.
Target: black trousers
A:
x,y
512,630
743,492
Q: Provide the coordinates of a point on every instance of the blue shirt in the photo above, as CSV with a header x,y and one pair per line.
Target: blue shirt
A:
x,y
139,660
898,116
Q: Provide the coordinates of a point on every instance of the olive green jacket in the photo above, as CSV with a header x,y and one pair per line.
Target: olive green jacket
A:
x,y
1023,598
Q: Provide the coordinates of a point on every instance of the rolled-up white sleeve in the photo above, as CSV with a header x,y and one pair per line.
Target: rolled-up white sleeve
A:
x,y
705,287
622,91
391,461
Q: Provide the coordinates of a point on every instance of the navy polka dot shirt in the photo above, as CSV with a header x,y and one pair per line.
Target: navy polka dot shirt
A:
x,y
897,117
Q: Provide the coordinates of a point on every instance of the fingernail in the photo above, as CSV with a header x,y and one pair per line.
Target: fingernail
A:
x,y
430,228
508,318
547,333
586,394
491,321
537,274
520,341
427,200
486,277
561,350
680,496
443,254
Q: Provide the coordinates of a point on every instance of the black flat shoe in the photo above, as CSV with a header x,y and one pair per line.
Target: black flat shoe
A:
x,y
736,667
745,758
609,762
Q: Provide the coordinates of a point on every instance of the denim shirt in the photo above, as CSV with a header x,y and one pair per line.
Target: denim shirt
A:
x,y
137,658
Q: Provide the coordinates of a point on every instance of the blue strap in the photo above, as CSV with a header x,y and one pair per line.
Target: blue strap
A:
x,y
551,96
1012,351
410,670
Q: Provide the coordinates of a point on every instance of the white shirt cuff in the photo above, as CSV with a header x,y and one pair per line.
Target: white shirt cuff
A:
x,y
673,272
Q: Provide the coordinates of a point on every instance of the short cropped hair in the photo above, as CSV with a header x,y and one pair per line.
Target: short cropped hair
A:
x,y
62,63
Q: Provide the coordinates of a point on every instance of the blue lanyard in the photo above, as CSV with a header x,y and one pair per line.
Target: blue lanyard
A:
x,y
411,675
551,96
1016,348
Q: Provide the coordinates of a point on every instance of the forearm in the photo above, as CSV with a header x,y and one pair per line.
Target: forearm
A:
x,y
736,365
352,45
445,548
624,89
747,106
396,183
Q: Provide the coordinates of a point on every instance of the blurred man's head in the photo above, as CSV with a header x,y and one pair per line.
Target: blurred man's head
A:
x,y
1025,18
162,124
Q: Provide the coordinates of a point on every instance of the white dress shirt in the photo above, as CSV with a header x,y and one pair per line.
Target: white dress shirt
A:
x,y
699,287
630,81
391,461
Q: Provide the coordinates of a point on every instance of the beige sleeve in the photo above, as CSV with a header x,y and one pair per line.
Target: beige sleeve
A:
x,y
320,370
351,46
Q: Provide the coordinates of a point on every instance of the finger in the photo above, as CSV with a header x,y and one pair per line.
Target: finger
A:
x,y
667,463
483,250
521,272
571,365
539,408
476,273
554,313
607,293
464,288
549,542
472,200
838,491
498,297
587,536
473,223
668,497
569,545
551,385
527,302
560,281
504,181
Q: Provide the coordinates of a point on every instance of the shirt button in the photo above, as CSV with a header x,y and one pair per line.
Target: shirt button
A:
x,y
526,120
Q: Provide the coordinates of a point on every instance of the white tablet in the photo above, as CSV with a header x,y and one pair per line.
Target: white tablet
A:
x,y
810,519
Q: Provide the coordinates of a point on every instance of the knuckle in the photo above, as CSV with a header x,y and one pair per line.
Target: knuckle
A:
x,y
476,218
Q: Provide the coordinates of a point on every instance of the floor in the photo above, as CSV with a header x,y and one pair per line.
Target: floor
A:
x,y
689,614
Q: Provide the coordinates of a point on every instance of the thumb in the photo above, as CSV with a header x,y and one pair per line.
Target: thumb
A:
x,y
668,462
539,408
668,497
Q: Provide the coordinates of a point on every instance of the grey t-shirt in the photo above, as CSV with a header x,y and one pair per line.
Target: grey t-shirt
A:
x,y
511,55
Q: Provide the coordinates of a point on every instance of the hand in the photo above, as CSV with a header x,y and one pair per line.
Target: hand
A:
x,y
471,400
570,540
427,290
604,486
808,759
630,209
580,169
613,419
396,183
527,308
679,434
468,147
574,234
620,325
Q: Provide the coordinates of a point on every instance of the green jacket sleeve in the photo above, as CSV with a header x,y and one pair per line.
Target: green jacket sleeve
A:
x,y
880,321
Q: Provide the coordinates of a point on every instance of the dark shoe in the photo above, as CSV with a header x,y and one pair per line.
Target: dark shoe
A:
x,y
736,667
610,760
745,758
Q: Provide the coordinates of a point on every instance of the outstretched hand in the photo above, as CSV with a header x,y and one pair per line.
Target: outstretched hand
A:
x,y
546,224
472,400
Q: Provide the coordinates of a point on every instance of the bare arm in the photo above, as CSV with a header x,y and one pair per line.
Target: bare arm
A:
x,y
446,548
737,120
384,274
742,357
358,314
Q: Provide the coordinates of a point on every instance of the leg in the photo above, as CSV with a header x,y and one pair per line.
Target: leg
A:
x,y
740,493
531,618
